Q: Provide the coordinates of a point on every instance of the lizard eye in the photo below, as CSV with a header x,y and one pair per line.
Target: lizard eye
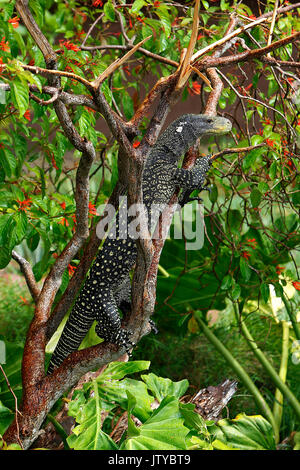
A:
x,y
209,120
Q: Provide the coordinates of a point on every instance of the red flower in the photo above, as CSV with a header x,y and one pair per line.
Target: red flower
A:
x,y
27,115
69,45
246,254
195,89
71,269
92,209
14,21
24,205
296,284
156,4
97,3
279,269
270,142
64,221
267,121
126,70
4,46
25,301
136,144
141,20
252,242
63,205
54,162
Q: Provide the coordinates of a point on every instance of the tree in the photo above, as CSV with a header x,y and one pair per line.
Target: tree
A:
x,y
64,68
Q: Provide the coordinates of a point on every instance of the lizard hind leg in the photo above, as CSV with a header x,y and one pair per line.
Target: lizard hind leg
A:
x,y
108,321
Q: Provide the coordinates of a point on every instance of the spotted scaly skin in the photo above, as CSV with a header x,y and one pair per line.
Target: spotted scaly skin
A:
x,y
107,287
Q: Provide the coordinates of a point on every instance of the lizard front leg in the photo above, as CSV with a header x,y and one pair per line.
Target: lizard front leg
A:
x,y
191,180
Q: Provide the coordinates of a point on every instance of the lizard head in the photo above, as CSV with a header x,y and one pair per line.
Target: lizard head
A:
x,y
203,124
184,132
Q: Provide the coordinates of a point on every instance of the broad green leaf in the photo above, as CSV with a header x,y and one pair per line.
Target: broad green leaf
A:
x,y
162,387
88,435
192,419
164,430
246,433
118,370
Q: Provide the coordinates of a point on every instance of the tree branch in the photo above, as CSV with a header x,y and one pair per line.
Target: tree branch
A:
x,y
28,274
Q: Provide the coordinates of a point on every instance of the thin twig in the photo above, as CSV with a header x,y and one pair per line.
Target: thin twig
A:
x,y
17,412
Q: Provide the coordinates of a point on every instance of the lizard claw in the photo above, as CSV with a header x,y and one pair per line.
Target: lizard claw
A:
x,y
153,327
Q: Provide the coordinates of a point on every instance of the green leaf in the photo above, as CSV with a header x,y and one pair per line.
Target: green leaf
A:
x,y
255,197
265,292
118,370
5,256
234,220
163,431
273,170
137,6
263,187
245,270
162,387
8,162
21,226
236,292
192,419
246,433
20,95
12,368
84,122
88,435
127,105
109,11
6,417
251,157
213,194
227,282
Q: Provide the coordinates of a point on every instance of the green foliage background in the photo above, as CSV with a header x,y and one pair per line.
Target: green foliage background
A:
x,y
251,213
